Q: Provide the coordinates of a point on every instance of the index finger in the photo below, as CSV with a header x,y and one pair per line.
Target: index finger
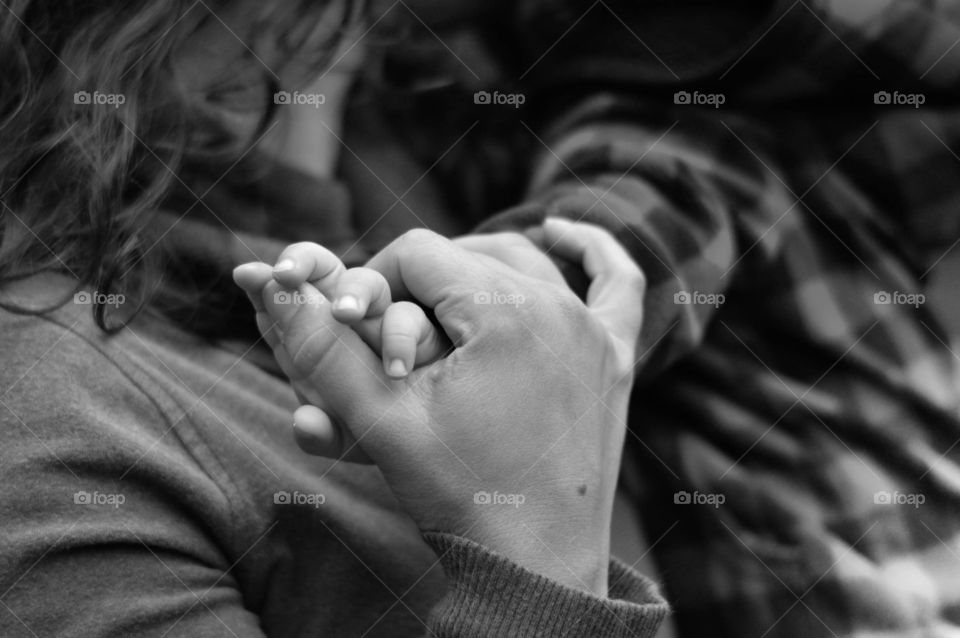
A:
x,y
617,285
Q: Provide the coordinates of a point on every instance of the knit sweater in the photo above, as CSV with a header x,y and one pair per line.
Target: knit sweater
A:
x,y
153,488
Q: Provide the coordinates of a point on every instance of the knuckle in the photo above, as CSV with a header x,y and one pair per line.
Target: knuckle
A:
x,y
406,308
597,234
352,282
417,237
512,240
302,246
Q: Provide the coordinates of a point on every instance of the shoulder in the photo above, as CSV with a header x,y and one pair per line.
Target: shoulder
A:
x,y
76,400
81,417
60,361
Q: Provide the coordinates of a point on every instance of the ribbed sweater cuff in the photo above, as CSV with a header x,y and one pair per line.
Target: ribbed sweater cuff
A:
x,y
490,595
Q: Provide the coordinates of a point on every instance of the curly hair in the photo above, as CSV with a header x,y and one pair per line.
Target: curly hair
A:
x,y
97,119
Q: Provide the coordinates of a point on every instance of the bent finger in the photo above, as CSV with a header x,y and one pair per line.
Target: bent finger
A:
x,y
408,339
360,292
316,433
308,262
617,285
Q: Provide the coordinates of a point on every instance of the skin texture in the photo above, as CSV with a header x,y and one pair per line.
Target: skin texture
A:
x,y
474,421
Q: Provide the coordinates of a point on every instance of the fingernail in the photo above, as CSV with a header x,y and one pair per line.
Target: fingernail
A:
x,y
347,302
284,265
558,220
397,368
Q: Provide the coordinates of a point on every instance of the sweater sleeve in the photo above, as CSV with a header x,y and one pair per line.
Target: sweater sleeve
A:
x,y
490,595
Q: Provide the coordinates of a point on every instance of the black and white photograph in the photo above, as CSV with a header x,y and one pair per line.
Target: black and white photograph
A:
x,y
479,319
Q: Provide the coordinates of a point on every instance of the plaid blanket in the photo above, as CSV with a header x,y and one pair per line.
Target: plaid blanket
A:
x,y
795,433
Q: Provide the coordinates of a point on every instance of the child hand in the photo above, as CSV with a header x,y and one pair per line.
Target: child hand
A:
x,y
400,331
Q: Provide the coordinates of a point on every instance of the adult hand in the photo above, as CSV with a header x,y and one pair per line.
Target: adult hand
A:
x,y
514,440
314,429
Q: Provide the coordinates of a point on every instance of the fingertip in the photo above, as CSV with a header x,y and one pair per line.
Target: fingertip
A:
x,y
315,433
407,338
396,368
239,274
558,222
348,308
286,273
361,292
251,276
556,226
284,265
